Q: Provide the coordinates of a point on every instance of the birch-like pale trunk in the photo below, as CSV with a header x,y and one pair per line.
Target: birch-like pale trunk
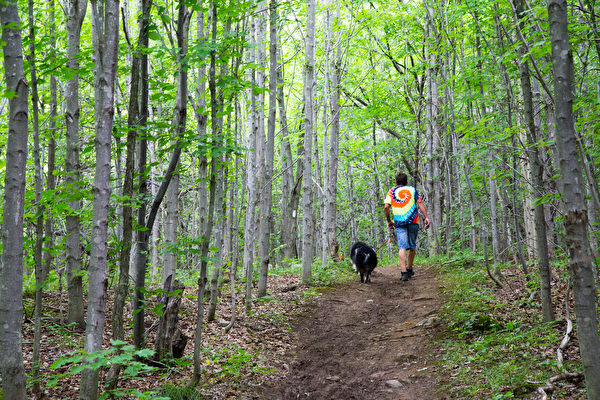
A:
x,y
290,195
133,124
11,263
434,172
220,219
75,12
581,265
222,171
214,165
332,245
201,120
171,224
251,162
267,187
307,195
105,36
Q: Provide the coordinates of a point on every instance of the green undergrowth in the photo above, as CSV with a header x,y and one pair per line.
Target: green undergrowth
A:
x,y
493,346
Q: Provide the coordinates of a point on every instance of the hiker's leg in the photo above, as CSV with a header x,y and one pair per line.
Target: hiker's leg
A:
x,y
412,232
402,236
402,257
411,257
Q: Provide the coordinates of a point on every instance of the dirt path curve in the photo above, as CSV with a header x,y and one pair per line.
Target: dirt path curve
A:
x,y
366,341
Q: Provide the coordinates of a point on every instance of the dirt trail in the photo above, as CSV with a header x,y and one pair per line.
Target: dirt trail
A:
x,y
366,341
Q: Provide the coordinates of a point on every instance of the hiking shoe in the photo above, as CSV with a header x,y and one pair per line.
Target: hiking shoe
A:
x,y
410,272
404,276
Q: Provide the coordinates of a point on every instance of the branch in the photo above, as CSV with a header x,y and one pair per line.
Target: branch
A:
x,y
550,383
567,337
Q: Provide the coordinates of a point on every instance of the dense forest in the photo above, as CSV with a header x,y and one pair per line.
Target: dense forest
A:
x,y
152,142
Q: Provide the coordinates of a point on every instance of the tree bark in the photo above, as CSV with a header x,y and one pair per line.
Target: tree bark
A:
x,y
214,165
133,124
105,35
171,224
11,265
267,187
290,185
332,245
580,263
179,121
537,173
40,276
251,167
307,195
75,10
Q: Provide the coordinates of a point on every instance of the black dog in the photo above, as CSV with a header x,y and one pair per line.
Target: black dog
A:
x,y
364,260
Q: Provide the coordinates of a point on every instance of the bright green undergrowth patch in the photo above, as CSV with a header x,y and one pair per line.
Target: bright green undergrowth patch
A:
x,y
173,392
230,363
494,347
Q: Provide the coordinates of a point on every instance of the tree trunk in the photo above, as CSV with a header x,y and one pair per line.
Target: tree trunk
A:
x,y
105,34
290,186
214,165
332,245
434,174
220,216
179,121
267,187
171,224
40,276
537,173
133,124
168,323
75,10
580,263
11,266
307,195
251,186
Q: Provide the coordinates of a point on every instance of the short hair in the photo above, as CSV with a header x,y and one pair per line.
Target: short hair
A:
x,y
401,179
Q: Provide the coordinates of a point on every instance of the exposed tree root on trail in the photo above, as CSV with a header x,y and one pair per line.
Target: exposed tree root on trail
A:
x,y
366,341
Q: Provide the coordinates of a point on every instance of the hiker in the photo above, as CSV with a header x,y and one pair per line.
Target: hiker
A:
x,y
403,201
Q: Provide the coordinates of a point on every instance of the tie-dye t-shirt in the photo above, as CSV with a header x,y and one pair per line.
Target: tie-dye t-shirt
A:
x,y
403,200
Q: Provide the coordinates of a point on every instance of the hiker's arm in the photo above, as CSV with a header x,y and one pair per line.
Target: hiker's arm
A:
x,y
421,206
386,211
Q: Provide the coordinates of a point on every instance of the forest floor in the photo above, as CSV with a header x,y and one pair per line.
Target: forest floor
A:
x,y
349,341
366,341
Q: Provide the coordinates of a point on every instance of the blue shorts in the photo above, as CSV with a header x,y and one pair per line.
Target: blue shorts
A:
x,y
407,236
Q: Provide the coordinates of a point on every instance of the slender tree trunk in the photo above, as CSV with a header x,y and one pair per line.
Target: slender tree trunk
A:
x,y
221,194
251,165
434,174
105,34
75,10
40,277
267,187
290,186
179,121
220,217
171,224
128,189
307,195
201,119
11,265
537,173
214,165
580,263
334,148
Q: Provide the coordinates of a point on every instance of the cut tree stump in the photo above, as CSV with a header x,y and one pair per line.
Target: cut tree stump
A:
x,y
170,340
